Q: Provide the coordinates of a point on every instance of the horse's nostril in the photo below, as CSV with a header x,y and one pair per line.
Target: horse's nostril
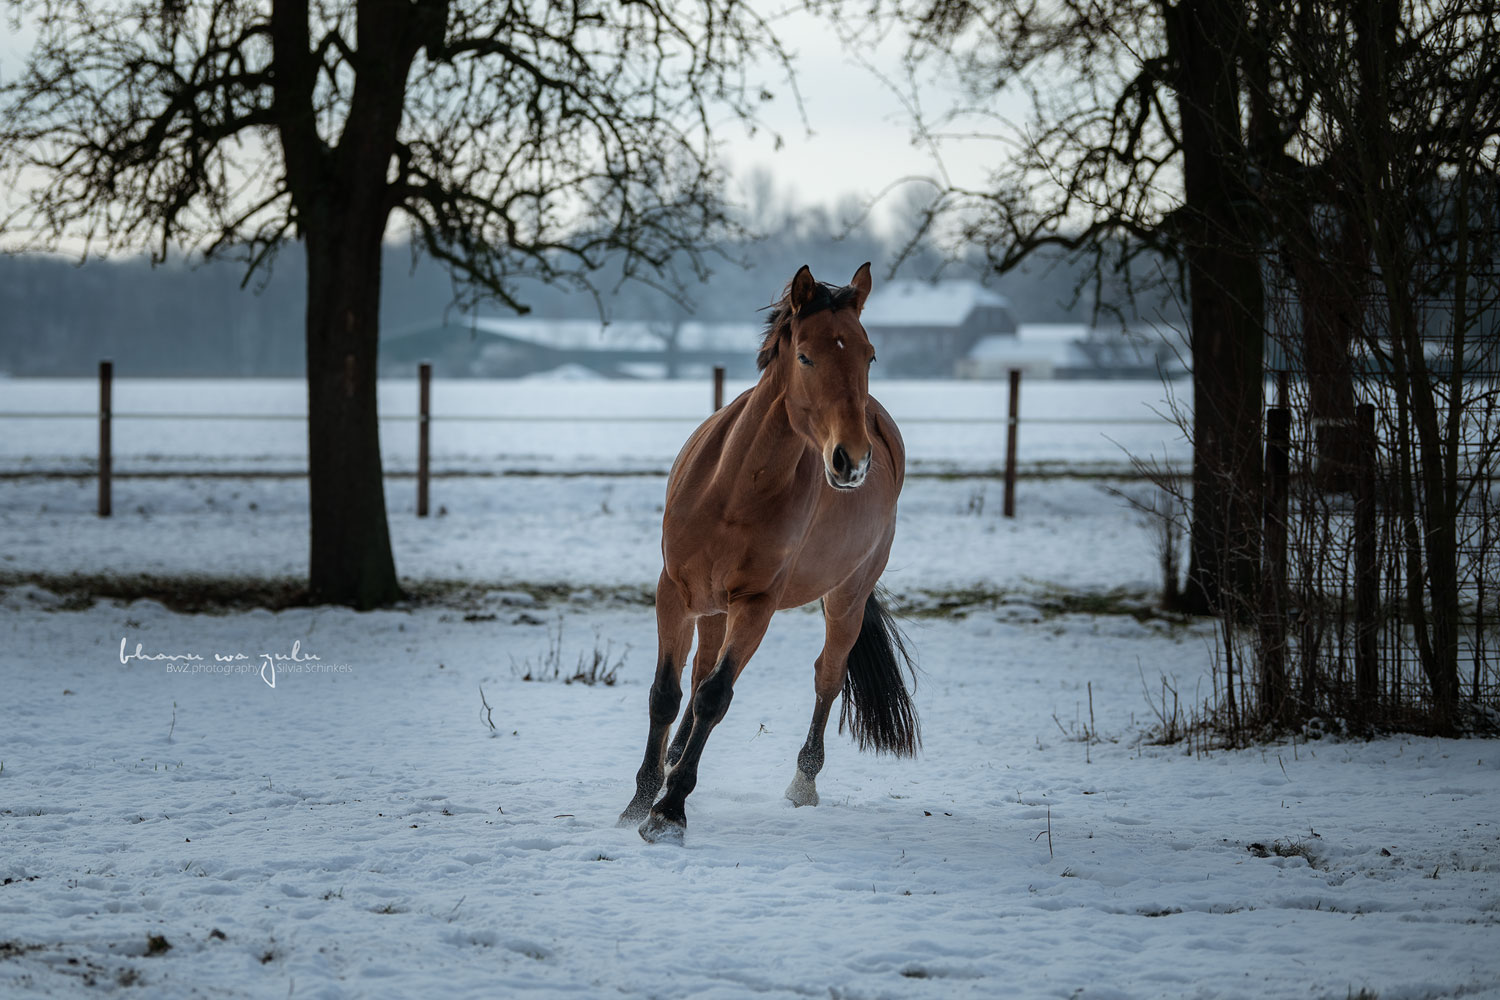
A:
x,y
841,464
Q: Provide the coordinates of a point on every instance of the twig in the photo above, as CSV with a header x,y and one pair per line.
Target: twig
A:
x,y
486,713
1093,732
1047,831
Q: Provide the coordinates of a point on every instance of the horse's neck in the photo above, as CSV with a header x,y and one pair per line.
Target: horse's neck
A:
x,y
762,445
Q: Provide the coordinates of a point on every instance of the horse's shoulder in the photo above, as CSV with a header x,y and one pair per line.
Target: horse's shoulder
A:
x,y
880,413
699,456
884,425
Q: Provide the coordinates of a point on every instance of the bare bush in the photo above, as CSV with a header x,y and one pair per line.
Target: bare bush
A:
x,y
600,665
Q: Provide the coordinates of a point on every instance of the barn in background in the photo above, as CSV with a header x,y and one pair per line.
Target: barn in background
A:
x,y
922,329
493,347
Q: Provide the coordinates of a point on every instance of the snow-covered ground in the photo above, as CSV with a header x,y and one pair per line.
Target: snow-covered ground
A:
x,y
578,532
362,832
182,828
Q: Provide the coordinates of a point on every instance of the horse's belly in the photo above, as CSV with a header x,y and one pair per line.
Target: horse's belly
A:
x,y
814,574
712,568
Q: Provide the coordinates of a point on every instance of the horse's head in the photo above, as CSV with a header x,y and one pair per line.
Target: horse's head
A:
x,y
824,353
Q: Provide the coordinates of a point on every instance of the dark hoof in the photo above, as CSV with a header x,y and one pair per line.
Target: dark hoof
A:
x,y
659,830
633,814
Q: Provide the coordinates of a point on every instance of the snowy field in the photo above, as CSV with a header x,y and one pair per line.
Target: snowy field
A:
x,y
362,832
182,828
563,532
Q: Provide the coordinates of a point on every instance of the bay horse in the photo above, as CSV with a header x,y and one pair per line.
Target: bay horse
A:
x,y
785,496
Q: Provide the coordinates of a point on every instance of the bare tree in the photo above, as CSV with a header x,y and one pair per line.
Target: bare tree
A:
x,y
1133,149
511,139
1396,109
1348,151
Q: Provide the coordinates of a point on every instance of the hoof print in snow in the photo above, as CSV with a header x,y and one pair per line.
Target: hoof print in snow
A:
x,y
659,830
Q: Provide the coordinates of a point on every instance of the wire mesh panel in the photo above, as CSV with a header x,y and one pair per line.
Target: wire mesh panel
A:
x,y
1431,541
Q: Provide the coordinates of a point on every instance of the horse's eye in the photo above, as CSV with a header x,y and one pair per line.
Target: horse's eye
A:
x,y
804,359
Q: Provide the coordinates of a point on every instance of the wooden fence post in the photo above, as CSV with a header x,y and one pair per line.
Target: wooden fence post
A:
x,y
106,458
1013,418
1275,699
1366,575
424,415
718,388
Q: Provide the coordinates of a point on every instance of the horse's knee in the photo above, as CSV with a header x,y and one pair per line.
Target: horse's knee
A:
x,y
666,698
715,693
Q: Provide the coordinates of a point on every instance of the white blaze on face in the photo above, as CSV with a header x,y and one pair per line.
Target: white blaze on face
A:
x,y
840,342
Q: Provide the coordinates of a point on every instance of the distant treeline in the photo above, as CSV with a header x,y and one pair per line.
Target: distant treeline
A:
x,y
58,317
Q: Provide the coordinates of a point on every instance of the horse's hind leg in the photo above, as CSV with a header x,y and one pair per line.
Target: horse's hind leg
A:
x,y
710,639
841,627
744,629
674,637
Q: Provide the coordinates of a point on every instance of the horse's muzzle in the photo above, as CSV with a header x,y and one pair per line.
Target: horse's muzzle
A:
x,y
842,472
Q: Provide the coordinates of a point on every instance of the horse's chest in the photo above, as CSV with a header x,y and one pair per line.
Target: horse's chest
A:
x,y
786,544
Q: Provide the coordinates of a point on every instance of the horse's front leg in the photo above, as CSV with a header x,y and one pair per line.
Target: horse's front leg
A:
x,y
674,638
744,629
710,641
841,627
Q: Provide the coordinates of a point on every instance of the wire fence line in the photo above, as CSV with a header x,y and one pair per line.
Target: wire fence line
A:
x,y
159,467
968,438
542,418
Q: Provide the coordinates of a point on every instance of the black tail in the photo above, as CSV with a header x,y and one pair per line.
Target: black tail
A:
x,y
876,705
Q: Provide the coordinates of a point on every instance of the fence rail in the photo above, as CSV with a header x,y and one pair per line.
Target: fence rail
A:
x,y
424,418
565,418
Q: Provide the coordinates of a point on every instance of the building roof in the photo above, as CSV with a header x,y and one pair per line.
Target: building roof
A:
x,y
1054,352
1074,349
623,335
928,303
1052,333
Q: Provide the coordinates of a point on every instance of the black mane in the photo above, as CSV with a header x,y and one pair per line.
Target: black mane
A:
x,y
778,324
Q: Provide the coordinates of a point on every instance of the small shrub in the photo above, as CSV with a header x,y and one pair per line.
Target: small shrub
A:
x,y
601,666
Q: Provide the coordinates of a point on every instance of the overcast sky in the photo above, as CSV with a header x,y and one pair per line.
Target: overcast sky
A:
x,y
852,135
857,134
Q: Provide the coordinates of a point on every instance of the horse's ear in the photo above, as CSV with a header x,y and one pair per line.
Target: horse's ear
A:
x,y
803,287
861,286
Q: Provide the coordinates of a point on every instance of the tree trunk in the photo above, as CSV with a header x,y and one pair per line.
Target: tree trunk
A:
x,y
1321,245
1322,264
1226,310
351,548
341,200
